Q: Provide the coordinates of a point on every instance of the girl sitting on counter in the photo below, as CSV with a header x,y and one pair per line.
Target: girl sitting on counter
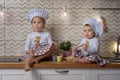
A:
x,y
87,50
39,44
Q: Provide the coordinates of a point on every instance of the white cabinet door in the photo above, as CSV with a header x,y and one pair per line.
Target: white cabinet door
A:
x,y
61,74
105,74
0,74
14,74
13,77
0,77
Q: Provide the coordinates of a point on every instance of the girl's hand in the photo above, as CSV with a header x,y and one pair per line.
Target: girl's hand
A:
x,y
74,49
85,46
37,44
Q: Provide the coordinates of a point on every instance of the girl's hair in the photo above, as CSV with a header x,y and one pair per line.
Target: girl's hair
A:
x,y
42,19
87,25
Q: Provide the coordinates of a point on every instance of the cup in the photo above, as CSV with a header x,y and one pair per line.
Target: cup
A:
x,y
54,58
59,58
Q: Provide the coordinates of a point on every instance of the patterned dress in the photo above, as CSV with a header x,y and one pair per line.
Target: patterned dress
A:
x,y
92,57
39,50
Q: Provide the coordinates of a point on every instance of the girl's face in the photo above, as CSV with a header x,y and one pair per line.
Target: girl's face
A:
x,y
88,32
37,24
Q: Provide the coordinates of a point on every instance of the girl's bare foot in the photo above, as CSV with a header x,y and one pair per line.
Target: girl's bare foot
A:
x,y
83,60
75,60
27,68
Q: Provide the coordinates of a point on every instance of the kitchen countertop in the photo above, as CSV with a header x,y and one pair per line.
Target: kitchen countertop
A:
x,y
51,65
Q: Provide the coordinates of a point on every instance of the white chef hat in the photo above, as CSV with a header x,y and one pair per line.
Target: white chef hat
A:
x,y
96,26
37,12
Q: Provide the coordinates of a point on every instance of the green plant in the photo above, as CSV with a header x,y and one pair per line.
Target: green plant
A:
x,y
65,45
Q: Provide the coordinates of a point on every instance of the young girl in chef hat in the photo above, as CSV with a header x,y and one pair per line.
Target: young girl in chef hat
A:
x,y
39,44
87,50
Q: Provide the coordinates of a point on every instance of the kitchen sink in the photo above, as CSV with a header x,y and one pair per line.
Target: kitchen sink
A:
x,y
10,59
114,59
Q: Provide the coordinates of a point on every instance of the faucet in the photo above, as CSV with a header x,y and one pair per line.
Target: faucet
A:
x,y
118,52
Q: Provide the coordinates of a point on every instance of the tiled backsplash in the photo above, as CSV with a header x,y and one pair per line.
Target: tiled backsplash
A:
x,y
14,26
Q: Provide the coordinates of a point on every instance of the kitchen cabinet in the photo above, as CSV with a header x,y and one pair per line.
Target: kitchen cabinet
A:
x,y
60,74
76,74
60,71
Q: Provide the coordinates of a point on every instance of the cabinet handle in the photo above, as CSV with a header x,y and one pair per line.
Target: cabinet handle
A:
x,y
62,71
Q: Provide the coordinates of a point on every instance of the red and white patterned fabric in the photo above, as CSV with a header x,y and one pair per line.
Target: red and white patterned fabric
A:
x,y
92,57
38,51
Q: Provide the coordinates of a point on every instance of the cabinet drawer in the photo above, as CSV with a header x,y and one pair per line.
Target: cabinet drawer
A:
x,y
62,74
63,71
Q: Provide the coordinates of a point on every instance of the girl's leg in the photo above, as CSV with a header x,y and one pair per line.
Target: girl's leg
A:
x,y
75,59
46,55
83,60
27,67
28,63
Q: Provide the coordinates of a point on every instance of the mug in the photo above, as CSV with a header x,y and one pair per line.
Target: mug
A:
x,y
59,58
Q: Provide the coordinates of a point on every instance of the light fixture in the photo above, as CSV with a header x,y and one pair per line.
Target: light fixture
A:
x,y
1,10
117,52
64,9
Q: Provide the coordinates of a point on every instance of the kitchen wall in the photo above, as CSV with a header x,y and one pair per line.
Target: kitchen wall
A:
x,y
14,26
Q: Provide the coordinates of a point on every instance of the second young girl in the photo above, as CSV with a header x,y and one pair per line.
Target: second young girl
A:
x,y
87,51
